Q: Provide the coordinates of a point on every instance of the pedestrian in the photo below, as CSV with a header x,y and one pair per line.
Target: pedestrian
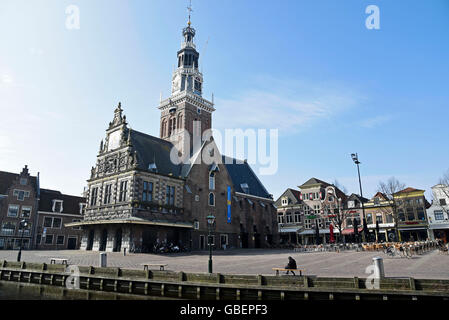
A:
x,y
291,265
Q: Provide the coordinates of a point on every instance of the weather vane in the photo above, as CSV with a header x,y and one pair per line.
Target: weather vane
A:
x,y
189,8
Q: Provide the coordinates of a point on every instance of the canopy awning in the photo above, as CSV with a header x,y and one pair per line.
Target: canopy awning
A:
x,y
350,231
288,230
130,221
439,226
412,229
313,232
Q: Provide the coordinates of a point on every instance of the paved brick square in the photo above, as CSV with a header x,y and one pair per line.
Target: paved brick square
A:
x,y
431,265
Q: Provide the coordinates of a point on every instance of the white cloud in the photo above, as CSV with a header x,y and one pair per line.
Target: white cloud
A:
x,y
36,51
6,79
375,121
283,104
5,145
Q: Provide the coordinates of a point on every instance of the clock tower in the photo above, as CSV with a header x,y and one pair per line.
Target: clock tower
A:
x,y
186,113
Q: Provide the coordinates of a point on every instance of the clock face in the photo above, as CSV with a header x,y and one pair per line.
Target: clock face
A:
x,y
114,140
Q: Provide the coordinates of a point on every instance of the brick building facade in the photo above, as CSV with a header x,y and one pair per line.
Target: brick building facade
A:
x,y
18,202
145,190
22,200
55,210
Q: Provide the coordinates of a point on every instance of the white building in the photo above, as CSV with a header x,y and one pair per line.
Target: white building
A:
x,y
438,213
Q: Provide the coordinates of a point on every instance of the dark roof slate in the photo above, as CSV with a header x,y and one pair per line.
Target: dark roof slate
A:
x,y
8,178
70,203
293,195
313,181
154,150
240,173
355,196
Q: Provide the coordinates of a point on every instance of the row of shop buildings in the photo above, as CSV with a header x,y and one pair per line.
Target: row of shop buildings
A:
x,y
317,207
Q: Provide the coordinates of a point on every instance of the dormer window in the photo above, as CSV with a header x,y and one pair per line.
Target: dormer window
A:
x,y
284,201
376,201
245,187
152,167
57,206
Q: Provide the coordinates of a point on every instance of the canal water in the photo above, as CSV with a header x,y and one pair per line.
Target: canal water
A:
x,y
24,291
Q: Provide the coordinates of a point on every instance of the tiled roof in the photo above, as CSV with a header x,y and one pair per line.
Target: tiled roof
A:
x,y
242,173
380,195
296,193
292,194
408,190
154,150
313,181
355,196
70,203
7,178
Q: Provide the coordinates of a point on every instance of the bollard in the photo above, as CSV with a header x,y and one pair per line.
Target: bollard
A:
x,y
124,251
379,264
103,260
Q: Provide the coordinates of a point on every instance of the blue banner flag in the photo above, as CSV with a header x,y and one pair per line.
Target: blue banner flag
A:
x,y
229,204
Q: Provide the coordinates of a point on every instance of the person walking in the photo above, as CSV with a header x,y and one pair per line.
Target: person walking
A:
x,y
291,265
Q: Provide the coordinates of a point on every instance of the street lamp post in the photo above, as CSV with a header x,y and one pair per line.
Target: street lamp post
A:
x,y
355,158
211,225
23,223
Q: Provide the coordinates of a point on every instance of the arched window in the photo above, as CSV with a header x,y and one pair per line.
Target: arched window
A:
x,y
212,181
171,126
211,199
164,128
180,121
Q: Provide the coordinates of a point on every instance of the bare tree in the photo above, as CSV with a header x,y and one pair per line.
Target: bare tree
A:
x,y
337,215
340,186
389,189
444,181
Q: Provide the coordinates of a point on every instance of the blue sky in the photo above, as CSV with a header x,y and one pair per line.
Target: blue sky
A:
x,y
308,68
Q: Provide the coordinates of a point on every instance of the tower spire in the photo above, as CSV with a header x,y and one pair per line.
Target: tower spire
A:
x,y
187,77
189,8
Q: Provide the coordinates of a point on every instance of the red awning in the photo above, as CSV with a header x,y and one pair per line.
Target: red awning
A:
x,y
350,231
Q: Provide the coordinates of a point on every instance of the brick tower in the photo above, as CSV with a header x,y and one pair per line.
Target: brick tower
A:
x,y
186,105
